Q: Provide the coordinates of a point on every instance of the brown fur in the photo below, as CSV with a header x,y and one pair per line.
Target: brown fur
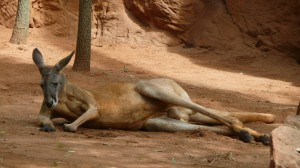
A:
x,y
154,105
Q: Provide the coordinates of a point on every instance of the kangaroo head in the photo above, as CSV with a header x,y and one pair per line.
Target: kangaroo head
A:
x,y
53,81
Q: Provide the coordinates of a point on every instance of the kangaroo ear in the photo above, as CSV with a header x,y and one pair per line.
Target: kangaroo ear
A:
x,y
38,59
62,63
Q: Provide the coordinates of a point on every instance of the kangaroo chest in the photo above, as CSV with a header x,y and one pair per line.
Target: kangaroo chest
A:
x,y
70,107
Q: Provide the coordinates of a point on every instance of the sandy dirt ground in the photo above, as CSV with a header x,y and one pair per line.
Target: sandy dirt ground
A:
x,y
250,82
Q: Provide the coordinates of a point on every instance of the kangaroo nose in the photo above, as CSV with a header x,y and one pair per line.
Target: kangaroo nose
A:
x,y
50,103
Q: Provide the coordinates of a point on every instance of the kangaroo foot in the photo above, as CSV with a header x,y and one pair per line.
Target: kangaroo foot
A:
x,y
265,139
245,136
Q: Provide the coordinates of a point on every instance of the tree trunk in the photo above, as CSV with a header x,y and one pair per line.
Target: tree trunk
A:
x,y
298,110
83,46
21,27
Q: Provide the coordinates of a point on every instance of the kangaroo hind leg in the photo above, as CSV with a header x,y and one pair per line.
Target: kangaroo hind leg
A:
x,y
167,124
244,117
170,92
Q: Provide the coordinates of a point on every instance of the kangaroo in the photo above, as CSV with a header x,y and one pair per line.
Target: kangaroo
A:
x,y
151,105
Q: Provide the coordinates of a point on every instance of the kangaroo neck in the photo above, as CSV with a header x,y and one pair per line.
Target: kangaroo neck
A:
x,y
72,89
75,92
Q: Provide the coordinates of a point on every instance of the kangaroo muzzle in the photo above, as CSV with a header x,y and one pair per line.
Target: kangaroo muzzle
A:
x,y
50,103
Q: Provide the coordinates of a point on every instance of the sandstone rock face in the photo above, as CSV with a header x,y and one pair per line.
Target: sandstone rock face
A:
x,y
55,15
8,10
268,23
201,23
223,25
43,13
175,16
226,25
284,154
113,24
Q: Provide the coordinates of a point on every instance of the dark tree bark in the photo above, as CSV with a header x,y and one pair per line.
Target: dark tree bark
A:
x,y
83,46
21,27
298,110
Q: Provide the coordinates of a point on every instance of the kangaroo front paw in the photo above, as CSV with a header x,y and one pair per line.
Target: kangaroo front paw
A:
x,y
69,128
47,128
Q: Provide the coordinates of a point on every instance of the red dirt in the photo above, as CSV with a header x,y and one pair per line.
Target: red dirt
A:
x,y
261,82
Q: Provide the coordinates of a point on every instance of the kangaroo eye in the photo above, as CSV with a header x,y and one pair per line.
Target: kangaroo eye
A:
x,y
41,85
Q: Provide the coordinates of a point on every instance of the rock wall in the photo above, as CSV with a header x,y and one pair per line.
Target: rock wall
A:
x,y
113,24
268,24
55,15
198,23
8,10
223,25
226,24
50,13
